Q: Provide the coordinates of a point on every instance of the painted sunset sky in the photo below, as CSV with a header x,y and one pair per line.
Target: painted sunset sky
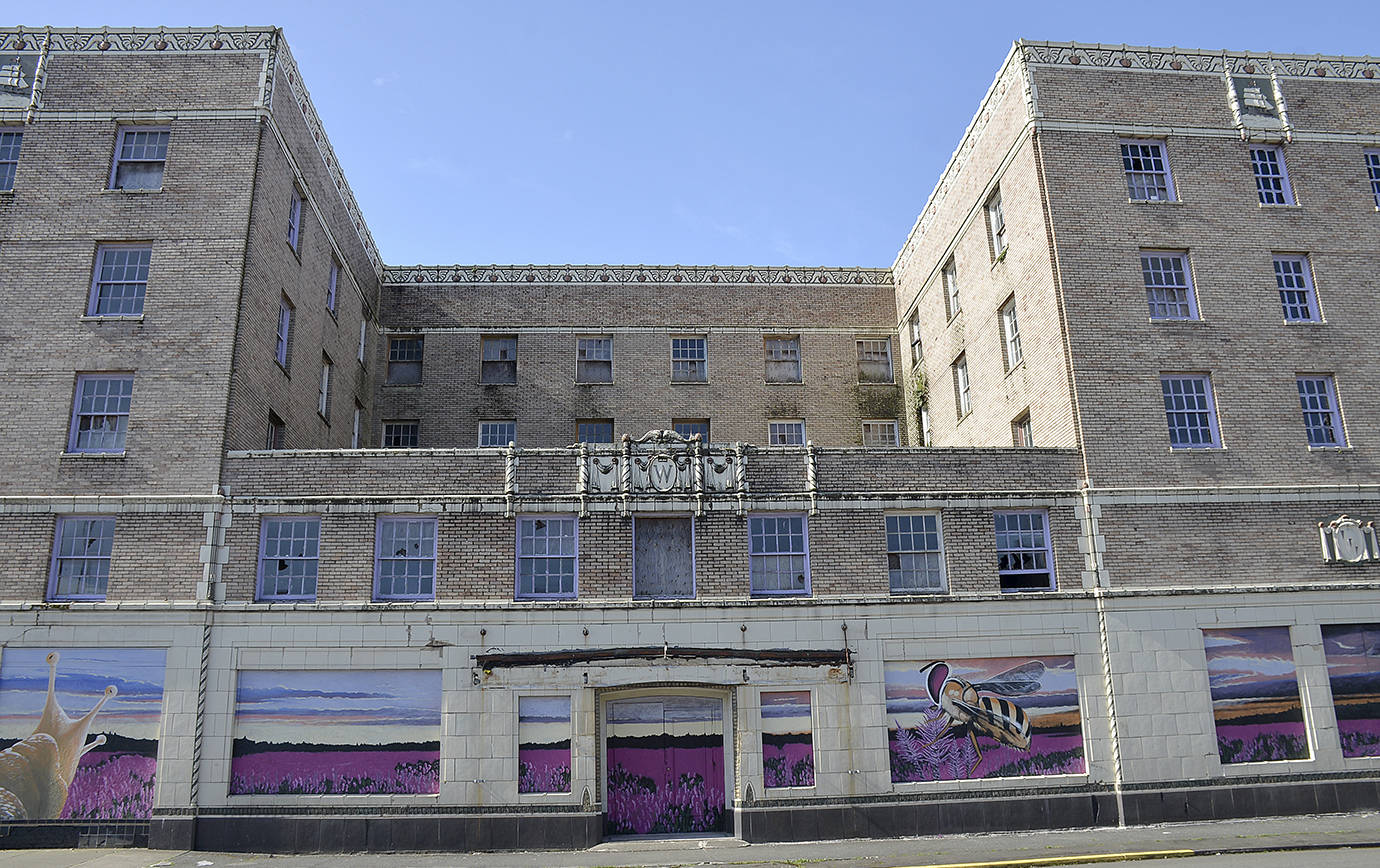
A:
x,y
672,715
785,712
1250,670
345,707
543,719
1055,703
82,677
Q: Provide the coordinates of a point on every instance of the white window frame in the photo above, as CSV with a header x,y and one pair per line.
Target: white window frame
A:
x,y
1140,166
757,559
116,431
1012,354
276,435
90,577
323,397
590,351
996,223
573,555
875,350
363,333
689,356
779,432
880,434
354,428
1182,409
497,433
781,350
1324,407
1372,161
1022,432
294,228
917,349
332,282
310,551
282,351
1001,527
425,540
138,278
119,149
493,360
398,424
405,350
900,528
11,141
1265,182
963,399
1297,267
1168,301
948,277
678,424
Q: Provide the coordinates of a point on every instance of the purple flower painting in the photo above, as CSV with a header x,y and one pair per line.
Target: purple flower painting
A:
x,y
341,732
543,744
1353,671
1255,695
788,753
665,766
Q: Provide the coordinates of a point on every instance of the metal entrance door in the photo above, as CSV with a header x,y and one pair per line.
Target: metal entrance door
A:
x,y
665,765
664,557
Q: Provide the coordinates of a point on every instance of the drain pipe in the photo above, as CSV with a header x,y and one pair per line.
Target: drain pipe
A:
x,y
1099,591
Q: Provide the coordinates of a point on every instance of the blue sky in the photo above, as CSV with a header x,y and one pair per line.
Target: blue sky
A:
x,y
775,132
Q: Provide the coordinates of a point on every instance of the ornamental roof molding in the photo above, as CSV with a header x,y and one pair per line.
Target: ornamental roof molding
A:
x,y
1097,55
632,274
124,39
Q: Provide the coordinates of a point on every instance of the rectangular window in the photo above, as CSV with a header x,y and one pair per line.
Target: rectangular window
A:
x,y
354,427
547,555
284,343
496,433
1372,171
917,352
9,158
288,551
926,434
1011,336
277,432
100,413
688,428
788,749
1271,178
594,360
1024,558
689,360
1189,410
915,553
81,558
593,430
962,399
405,558
1168,285
498,360
363,328
1322,416
121,278
543,737
997,222
294,228
1147,172
880,433
779,560
401,434
404,361
781,357
786,432
332,280
874,360
323,398
140,154
949,277
1295,282
1022,434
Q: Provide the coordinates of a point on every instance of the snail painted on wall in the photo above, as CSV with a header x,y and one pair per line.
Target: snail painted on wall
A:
x,y
36,773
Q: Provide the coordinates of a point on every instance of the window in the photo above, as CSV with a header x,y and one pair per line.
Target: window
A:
x,y
688,428
880,433
917,352
926,435
405,558
288,551
1168,285
331,281
404,361
1189,411
1024,559
294,228
874,360
961,397
782,359
1296,296
1322,416
594,360
547,553
9,158
1271,178
1372,170
593,430
280,352
121,278
689,362
1011,336
495,433
401,434
277,432
81,558
997,223
139,158
1147,173
363,327
498,360
323,398
1021,432
949,277
914,553
100,413
354,427
779,559
786,432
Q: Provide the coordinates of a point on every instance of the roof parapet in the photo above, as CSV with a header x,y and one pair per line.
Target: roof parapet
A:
x,y
628,274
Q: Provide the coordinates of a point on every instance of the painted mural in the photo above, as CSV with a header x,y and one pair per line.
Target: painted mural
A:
x,y
1255,695
665,765
543,744
788,751
98,765
337,731
983,718
1353,670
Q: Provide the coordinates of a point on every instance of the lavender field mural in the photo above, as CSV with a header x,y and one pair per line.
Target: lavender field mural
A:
x,y
349,732
665,765
80,730
788,753
543,744
1353,670
983,718
1255,695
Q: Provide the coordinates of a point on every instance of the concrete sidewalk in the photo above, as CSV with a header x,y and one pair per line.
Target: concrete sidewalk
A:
x,y
1030,848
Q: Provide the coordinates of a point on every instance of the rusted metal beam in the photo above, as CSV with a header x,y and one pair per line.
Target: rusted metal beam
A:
x,y
767,656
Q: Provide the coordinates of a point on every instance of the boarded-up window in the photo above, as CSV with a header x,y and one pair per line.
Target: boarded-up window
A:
x,y
782,360
498,360
664,557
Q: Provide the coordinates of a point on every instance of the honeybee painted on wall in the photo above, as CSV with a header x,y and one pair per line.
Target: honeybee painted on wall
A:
x,y
970,712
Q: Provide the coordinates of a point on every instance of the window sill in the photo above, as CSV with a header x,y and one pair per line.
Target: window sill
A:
x,y
778,595
783,382
1304,322
296,251
890,382
1016,367
402,385
282,367
98,456
513,383
1193,450
96,318
906,594
964,417
1028,590
1000,257
132,191
1154,201
324,418
1347,448
593,382
1293,206
689,382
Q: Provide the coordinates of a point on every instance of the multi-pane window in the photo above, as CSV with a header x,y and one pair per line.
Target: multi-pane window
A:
x,y
9,157
139,158
1295,282
1372,171
594,360
81,558
1011,335
996,221
949,277
786,432
874,360
289,547
917,352
276,434
1024,559
1271,178
284,341
690,427
404,361
1322,417
497,432
880,433
401,434
1021,432
914,553
778,556
781,357
1168,285
926,434
1189,410
547,554
294,227
593,430
355,426
962,399
332,280
689,360
498,360
405,558
323,397
121,278
1147,173
100,413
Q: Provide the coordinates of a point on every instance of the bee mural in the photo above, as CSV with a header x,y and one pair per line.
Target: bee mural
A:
x,y
971,713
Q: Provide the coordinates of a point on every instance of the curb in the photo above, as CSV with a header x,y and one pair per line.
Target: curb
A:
x,y
1139,855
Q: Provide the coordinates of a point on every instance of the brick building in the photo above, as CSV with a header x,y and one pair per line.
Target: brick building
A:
x,y
1065,519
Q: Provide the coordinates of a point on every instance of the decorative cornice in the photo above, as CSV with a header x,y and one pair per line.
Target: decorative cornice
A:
x,y
631,274
1075,54
97,40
